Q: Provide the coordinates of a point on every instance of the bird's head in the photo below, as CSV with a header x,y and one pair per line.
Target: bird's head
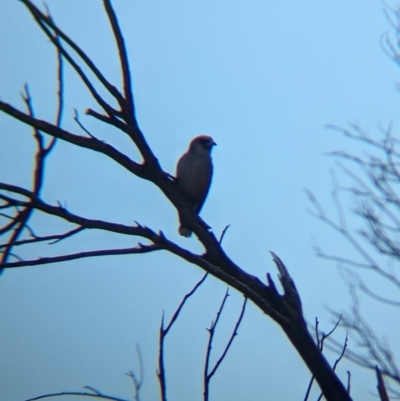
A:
x,y
202,144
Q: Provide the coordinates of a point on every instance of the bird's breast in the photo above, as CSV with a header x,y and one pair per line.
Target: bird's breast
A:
x,y
194,175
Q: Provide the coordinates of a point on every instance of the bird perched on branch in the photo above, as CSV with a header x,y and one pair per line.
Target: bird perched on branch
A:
x,y
194,173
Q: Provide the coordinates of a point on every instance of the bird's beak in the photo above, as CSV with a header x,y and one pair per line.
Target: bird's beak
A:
x,y
213,143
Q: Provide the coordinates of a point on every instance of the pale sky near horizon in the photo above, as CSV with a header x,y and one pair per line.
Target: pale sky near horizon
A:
x,y
263,78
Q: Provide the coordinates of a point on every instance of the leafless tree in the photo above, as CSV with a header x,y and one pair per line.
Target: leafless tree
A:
x,y
372,182
18,204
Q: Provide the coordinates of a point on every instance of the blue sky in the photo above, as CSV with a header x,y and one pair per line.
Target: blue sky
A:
x,y
263,78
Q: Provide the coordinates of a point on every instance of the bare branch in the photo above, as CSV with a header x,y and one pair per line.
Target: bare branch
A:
x,y
223,234
371,263
381,386
129,110
208,375
94,390
342,353
54,238
137,382
211,332
163,334
80,255
338,359
375,352
320,343
41,154
185,298
43,23
81,141
348,381
364,288
338,205
46,19
76,118
79,394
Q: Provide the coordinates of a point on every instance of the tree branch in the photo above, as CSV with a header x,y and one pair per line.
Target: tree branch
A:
x,y
163,334
209,374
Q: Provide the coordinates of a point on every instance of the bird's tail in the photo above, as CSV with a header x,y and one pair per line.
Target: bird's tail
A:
x,y
184,231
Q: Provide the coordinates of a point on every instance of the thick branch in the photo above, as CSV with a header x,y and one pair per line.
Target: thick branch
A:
x,y
81,141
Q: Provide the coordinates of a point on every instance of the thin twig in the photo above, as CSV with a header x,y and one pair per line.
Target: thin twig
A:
x,y
137,382
54,238
207,375
338,359
320,343
223,233
77,393
76,118
229,343
79,255
348,381
128,105
44,23
342,353
45,19
163,333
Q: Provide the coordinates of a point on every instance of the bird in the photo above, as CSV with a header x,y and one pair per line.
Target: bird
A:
x,y
194,172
